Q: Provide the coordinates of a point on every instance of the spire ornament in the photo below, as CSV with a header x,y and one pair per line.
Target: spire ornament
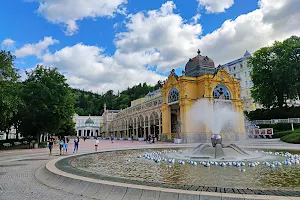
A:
x,y
198,51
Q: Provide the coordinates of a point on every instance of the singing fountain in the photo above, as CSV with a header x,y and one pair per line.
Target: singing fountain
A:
x,y
217,116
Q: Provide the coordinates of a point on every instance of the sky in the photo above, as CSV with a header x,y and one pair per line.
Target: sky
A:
x,y
102,45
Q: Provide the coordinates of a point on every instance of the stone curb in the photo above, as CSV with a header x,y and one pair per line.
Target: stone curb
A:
x,y
108,190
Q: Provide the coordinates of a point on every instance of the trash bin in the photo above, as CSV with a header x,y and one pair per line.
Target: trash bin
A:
x,y
36,145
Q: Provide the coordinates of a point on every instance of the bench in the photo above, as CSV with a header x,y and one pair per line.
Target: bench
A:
x,y
7,144
17,143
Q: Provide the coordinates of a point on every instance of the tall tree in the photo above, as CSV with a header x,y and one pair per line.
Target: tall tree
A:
x,y
8,95
49,102
276,73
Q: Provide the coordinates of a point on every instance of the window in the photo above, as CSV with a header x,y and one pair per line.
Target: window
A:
x,y
173,95
241,65
246,83
250,83
247,105
221,92
233,68
245,74
234,75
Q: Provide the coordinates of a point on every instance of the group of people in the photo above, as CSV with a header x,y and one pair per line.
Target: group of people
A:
x,y
63,144
151,137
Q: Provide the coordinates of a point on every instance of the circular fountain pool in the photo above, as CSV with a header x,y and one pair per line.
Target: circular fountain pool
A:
x,y
126,166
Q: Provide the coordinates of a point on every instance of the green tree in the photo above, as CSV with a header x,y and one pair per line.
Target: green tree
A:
x,y
8,95
49,102
276,73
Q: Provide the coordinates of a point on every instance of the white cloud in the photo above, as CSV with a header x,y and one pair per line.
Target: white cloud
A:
x,y
173,41
89,68
164,39
67,12
196,18
160,35
215,6
8,44
37,49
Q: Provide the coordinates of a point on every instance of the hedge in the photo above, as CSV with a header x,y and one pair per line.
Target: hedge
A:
x,y
274,113
280,126
292,138
281,134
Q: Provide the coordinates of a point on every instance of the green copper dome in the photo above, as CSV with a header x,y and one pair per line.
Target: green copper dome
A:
x,y
89,121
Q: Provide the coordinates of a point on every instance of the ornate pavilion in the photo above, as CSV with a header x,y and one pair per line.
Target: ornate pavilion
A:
x,y
165,112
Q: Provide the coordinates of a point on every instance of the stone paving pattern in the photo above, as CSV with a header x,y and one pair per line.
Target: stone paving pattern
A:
x,y
18,181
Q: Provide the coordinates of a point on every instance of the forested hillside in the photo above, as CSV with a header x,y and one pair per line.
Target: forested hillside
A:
x,y
90,103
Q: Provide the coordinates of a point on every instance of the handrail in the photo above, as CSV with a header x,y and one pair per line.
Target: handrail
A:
x,y
276,121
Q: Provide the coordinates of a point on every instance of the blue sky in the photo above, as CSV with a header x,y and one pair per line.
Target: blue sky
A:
x,y
113,44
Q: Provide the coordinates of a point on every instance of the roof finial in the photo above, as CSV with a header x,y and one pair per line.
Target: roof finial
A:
x,y
198,51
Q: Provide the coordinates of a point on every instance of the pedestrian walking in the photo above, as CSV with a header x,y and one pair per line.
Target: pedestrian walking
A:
x,y
61,146
111,138
76,144
153,138
66,144
132,138
50,144
149,138
96,143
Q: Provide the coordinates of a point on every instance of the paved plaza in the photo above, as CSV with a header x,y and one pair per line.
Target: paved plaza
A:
x,y
18,167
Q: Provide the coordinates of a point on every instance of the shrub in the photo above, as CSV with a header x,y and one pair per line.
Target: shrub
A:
x,y
292,138
274,113
280,134
43,145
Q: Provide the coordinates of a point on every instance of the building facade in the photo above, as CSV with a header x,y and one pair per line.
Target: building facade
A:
x,y
88,126
141,119
200,80
164,112
240,69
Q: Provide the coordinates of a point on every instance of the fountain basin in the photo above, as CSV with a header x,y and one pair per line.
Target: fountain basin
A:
x,y
125,166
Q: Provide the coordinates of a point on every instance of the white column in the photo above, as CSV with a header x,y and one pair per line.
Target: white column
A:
x,y
149,129
144,129
159,128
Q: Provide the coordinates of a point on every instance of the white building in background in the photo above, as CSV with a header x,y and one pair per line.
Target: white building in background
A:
x,y
240,69
88,126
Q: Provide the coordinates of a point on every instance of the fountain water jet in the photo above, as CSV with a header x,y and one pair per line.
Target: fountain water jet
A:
x,y
219,117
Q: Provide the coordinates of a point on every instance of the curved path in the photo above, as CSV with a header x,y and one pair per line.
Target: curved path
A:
x,y
18,181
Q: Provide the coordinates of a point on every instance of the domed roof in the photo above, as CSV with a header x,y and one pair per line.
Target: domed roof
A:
x,y
89,121
199,65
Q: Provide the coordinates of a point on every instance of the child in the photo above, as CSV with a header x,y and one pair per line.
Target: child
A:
x,y
61,146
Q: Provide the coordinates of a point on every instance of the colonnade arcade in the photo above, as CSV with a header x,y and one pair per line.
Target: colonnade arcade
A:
x,y
138,126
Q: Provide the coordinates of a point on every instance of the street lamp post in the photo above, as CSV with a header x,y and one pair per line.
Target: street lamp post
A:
x,y
284,99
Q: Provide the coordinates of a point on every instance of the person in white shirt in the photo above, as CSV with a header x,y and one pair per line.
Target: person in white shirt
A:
x,y
96,143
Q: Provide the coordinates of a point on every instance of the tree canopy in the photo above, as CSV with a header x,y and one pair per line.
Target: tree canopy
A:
x,y
91,103
8,93
49,102
276,73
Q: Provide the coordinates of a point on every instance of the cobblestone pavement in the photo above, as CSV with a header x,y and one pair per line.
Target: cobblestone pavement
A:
x,y
17,168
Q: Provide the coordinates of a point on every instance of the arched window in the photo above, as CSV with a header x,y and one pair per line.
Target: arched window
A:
x,y
221,92
173,95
